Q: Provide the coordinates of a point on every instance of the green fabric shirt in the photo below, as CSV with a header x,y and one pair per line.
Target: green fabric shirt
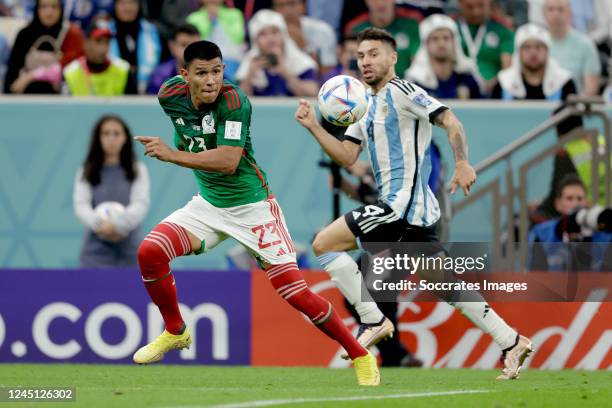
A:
x,y
230,19
496,41
226,122
404,29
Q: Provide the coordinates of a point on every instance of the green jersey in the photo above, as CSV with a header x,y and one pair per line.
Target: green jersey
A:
x,y
224,122
486,43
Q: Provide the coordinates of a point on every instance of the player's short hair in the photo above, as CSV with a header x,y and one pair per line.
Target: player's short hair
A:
x,y
377,34
204,50
571,179
188,29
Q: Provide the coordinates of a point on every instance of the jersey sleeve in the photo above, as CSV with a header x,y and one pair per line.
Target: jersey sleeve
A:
x,y
417,101
171,95
354,134
234,119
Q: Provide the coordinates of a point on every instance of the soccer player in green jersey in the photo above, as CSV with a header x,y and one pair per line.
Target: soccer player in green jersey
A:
x,y
211,120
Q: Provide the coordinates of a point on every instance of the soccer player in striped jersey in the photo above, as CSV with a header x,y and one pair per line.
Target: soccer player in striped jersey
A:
x,y
396,131
211,120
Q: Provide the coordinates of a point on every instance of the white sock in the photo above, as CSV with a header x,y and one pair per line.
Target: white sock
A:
x,y
345,274
485,318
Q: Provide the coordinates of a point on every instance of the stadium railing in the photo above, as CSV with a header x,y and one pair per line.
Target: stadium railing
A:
x,y
510,196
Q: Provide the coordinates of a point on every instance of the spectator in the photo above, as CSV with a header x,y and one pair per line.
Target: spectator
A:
x,y
535,12
135,41
574,50
312,36
514,12
484,38
223,26
547,241
440,67
569,196
401,23
351,9
275,66
534,74
594,18
425,7
17,8
328,11
174,15
111,173
96,74
183,36
40,51
347,57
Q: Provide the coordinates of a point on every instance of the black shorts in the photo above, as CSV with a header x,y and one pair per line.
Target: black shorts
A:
x,y
378,223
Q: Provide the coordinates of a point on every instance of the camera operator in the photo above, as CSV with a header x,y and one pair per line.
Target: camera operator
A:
x,y
577,224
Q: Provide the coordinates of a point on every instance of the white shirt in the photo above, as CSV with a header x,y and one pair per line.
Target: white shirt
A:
x,y
397,131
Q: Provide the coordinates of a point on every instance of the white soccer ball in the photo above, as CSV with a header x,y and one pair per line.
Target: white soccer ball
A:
x,y
343,100
109,211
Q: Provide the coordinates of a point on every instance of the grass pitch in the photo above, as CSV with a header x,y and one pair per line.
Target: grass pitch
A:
x,y
241,387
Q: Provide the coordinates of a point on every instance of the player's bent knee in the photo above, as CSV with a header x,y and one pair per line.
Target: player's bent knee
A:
x,y
148,251
151,259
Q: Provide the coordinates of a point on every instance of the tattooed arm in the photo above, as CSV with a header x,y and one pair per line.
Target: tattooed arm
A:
x,y
464,175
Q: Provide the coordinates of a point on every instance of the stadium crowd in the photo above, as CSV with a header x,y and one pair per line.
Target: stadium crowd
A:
x,y
465,49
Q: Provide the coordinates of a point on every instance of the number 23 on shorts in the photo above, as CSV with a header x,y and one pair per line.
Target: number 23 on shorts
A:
x,y
261,231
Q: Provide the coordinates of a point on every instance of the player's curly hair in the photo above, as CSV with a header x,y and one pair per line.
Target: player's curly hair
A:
x,y
377,34
94,161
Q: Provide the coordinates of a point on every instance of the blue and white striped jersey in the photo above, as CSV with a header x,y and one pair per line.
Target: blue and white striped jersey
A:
x,y
397,133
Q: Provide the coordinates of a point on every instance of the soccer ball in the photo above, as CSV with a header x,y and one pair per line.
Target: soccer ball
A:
x,y
343,100
109,211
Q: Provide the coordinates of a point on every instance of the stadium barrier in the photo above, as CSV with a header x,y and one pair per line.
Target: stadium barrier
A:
x,y
43,140
236,318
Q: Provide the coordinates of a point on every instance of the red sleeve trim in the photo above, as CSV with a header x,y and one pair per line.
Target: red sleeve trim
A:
x,y
232,98
172,90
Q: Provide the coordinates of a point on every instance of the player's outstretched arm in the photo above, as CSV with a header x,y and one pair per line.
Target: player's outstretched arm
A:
x,y
464,175
223,159
344,153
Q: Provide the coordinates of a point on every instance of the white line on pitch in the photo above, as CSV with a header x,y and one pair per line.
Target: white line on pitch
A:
x,y
269,403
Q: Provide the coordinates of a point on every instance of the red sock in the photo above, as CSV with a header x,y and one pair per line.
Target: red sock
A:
x,y
164,243
290,284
